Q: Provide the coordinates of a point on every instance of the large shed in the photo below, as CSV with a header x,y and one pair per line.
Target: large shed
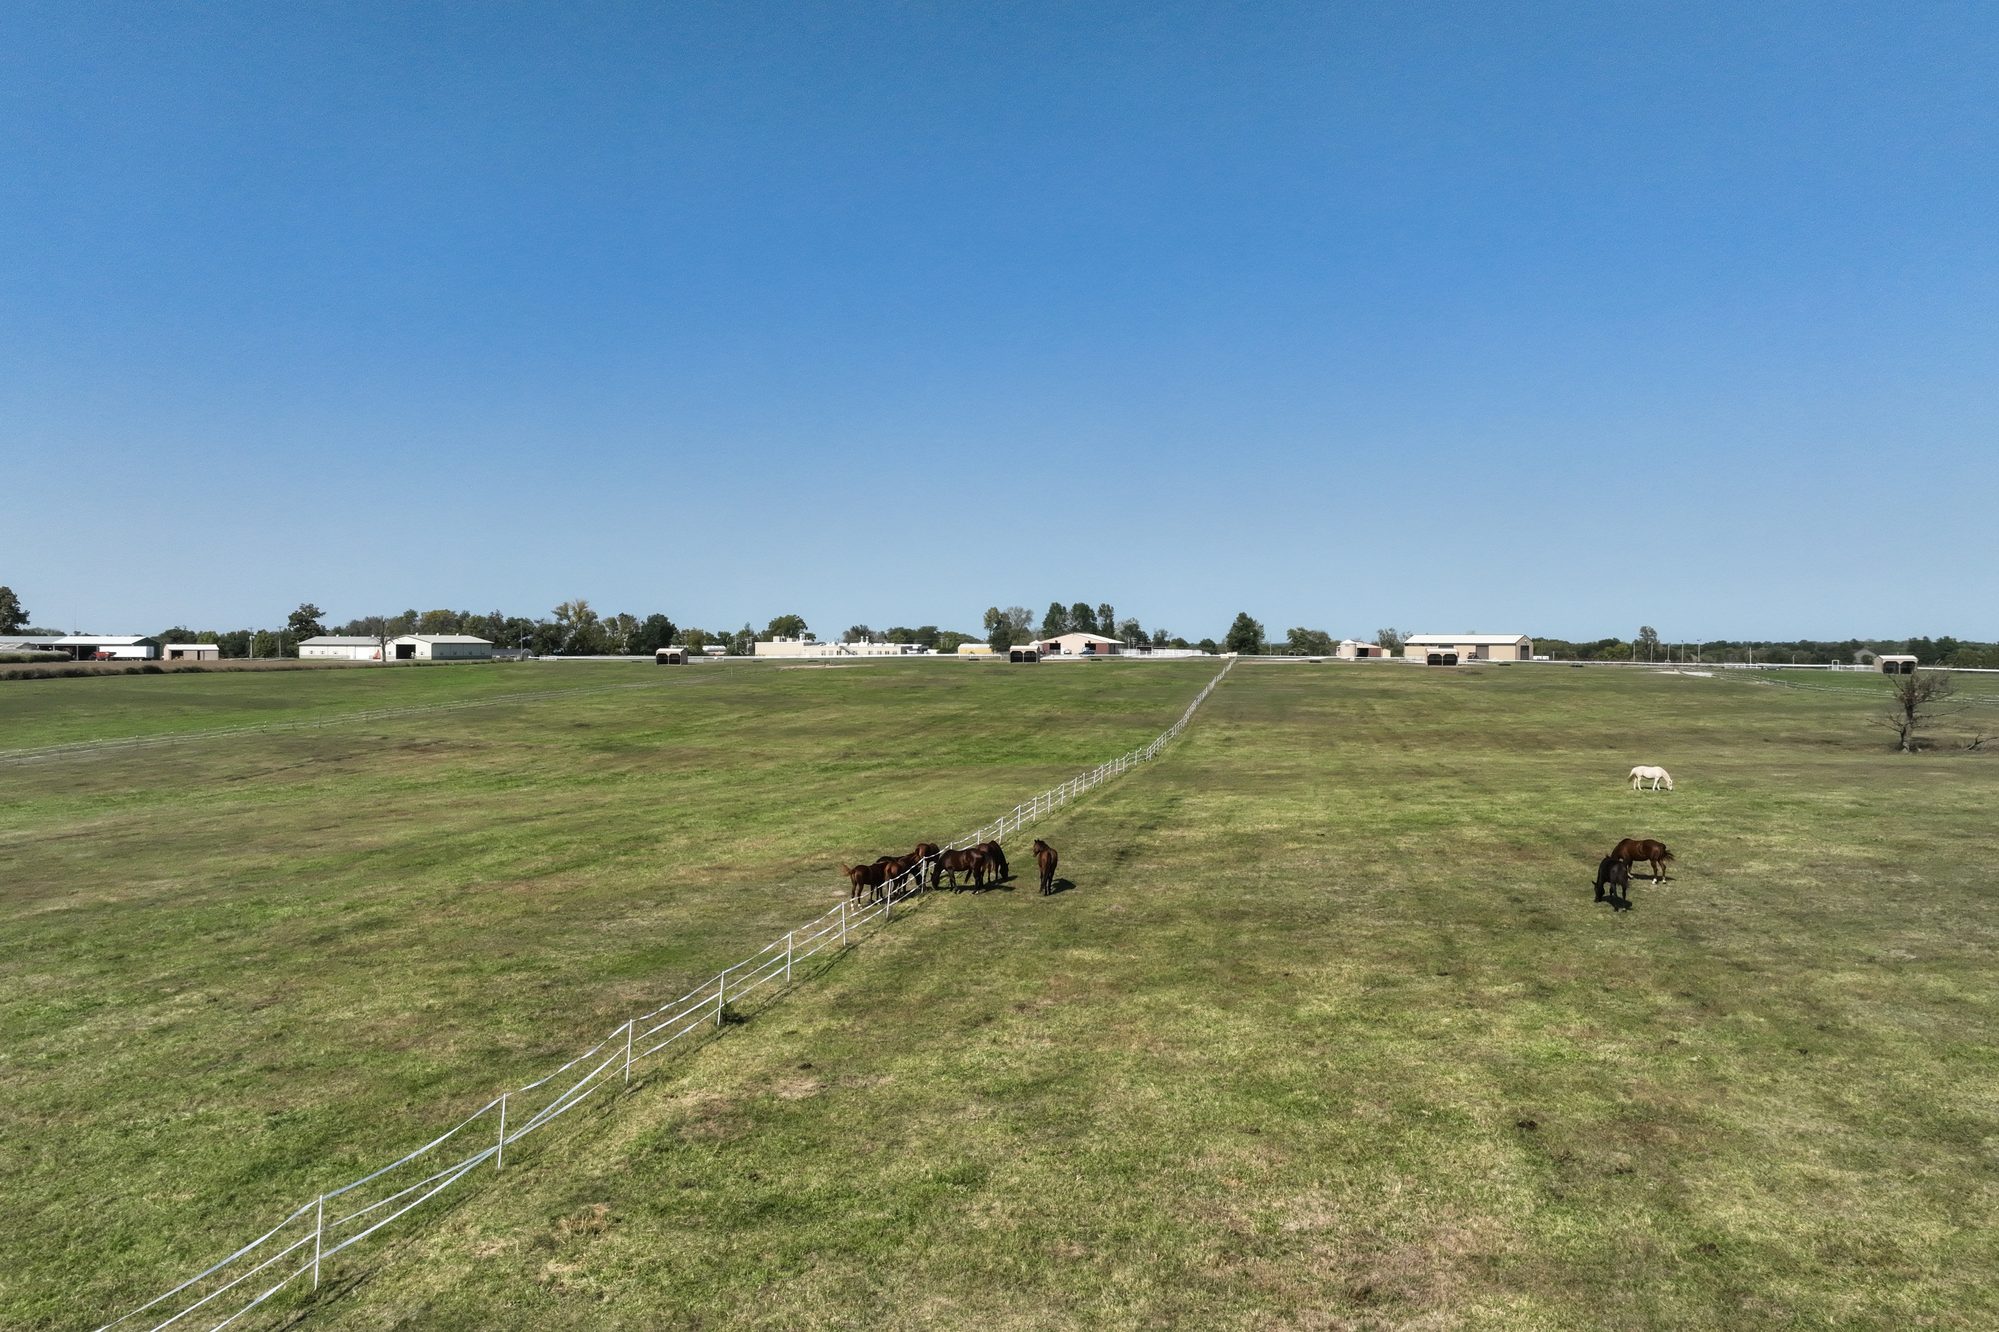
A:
x,y
1079,645
340,647
82,647
1470,647
441,647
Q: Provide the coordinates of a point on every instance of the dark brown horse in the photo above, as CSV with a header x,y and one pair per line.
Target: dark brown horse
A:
x,y
863,878
1046,860
969,861
1634,849
1615,875
926,853
995,861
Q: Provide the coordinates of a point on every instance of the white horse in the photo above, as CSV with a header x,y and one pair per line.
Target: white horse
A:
x,y
1647,772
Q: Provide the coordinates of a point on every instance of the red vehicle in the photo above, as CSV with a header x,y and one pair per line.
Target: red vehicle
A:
x,y
102,655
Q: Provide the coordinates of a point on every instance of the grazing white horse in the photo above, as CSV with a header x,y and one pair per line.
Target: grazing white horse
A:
x,y
1645,772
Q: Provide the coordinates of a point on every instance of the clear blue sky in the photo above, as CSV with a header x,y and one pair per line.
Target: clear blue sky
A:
x,y
1556,318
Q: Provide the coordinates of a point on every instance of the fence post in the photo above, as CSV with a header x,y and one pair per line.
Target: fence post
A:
x,y
318,1234
787,955
721,995
500,1152
843,924
628,1050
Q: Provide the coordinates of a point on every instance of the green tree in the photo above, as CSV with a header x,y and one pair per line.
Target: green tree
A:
x,y
1208,645
655,632
1132,633
582,631
858,633
304,623
743,643
1107,619
1391,639
264,643
1056,621
1245,635
1082,620
786,626
619,631
694,639
1308,643
440,622
999,629
13,615
1648,642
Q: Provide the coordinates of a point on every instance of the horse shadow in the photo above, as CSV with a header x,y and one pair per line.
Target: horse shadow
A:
x,y
1061,886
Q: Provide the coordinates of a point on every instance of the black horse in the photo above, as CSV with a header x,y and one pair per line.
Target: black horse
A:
x,y
1615,875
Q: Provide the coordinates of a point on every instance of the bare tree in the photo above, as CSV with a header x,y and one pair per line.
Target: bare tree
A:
x,y
1917,701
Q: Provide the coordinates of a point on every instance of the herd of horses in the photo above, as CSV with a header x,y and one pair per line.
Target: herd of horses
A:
x,y
977,867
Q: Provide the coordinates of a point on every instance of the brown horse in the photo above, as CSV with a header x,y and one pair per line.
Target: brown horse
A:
x,y
1615,875
894,867
969,861
862,878
1634,849
926,853
1046,860
995,860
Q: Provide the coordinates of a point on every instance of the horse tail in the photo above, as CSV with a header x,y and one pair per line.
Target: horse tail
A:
x,y
1664,854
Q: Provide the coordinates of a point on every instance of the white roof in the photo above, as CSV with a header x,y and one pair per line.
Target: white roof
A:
x,y
210,646
337,640
102,640
1080,636
436,638
1448,640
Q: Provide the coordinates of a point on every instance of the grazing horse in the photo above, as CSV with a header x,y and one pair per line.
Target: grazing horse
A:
x,y
1614,874
862,878
894,867
1634,849
995,860
970,861
1046,859
1645,772
925,854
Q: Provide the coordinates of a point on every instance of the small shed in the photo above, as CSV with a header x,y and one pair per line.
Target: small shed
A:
x,y
1028,653
1900,663
190,651
670,656
1352,649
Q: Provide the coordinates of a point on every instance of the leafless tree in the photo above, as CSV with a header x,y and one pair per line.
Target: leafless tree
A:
x,y
1917,700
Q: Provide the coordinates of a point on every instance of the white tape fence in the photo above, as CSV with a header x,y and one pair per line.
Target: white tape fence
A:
x,y
297,1247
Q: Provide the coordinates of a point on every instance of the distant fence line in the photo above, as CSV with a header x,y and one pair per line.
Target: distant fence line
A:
x,y
297,1246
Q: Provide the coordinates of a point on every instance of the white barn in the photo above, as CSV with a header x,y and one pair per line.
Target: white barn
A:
x,y
440,647
340,647
83,647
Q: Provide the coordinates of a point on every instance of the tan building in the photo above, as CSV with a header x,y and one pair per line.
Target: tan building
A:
x,y
190,651
1352,649
1470,647
1078,645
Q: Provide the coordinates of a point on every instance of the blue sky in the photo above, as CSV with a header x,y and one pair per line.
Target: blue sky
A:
x,y
1551,318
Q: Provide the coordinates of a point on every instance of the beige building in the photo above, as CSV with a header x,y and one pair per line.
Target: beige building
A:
x,y
190,651
1470,647
1078,645
340,647
1352,649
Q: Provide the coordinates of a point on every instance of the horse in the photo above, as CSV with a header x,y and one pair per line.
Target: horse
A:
x,y
1614,874
1046,859
1634,849
894,867
925,854
1649,772
969,861
863,877
995,860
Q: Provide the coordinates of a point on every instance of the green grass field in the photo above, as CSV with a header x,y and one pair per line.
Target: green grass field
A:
x,y
1328,1033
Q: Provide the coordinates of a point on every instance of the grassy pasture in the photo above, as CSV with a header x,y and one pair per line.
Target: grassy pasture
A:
x,y
1327,1035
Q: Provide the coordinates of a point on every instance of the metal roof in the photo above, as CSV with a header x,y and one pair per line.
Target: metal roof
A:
x,y
1448,640
439,638
338,640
